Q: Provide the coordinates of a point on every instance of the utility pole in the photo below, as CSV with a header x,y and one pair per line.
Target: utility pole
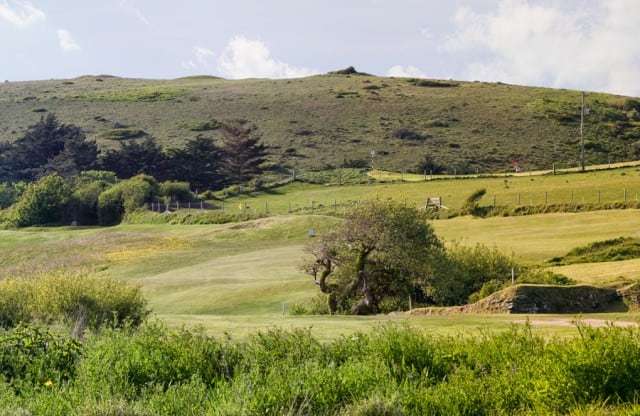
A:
x,y
582,134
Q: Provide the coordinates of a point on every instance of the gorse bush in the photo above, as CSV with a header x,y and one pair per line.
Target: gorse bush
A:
x,y
64,297
392,371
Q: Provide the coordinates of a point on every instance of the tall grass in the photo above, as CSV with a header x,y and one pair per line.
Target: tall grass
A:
x,y
63,297
393,371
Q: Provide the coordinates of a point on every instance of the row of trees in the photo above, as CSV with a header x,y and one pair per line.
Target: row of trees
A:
x,y
52,147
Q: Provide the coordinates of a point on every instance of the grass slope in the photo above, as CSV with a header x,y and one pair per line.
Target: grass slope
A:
x,y
591,187
236,277
322,120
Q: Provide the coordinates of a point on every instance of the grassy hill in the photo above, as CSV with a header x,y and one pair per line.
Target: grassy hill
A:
x,y
320,121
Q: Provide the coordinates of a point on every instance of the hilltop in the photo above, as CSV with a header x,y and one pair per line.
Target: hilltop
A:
x,y
323,121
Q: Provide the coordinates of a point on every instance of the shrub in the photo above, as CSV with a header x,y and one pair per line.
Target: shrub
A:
x,y
8,195
472,203
544,277
126,363
43,202
67,297
465,270
32,356
125,197
84,201
176,191
408,134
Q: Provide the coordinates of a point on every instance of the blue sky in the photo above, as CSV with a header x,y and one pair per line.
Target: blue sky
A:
x,y
586,44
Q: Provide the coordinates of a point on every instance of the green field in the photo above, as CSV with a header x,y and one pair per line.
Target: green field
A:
x,y
237,278
593,187
319,121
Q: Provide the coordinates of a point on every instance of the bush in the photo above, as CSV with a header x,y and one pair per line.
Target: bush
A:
x,y
9,194
32,356
472,203
466,270
407,134
125,197
176,191
125,363
84,201
43,202
66,298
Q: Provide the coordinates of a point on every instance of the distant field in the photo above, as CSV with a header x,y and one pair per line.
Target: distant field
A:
x,y
590,187
322,121
236,278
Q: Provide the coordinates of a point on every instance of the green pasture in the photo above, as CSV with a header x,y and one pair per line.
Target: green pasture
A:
x,y
605,186
237,278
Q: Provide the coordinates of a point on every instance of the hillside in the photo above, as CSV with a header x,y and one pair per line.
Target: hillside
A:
x,y
320,121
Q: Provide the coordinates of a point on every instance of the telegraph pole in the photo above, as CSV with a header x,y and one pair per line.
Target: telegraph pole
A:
x,y
582,134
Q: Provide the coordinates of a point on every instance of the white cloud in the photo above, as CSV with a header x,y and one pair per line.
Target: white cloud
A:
x,y
67,42
134,11
20,13
523,42
246,58
202,59
408,71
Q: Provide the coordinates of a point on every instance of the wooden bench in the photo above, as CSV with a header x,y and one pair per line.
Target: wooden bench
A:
x,y
435,202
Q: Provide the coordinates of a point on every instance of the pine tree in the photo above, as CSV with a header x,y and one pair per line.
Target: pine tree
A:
x,y
134,158
48,147
198,162
243,153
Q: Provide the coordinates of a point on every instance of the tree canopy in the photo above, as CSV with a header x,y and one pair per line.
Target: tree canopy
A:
x,y
383,250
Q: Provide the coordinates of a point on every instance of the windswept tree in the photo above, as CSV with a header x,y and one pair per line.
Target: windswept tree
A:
x,y
243,155
48,147
382,251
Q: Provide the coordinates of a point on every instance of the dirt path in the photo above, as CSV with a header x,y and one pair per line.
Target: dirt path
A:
x,y
596,323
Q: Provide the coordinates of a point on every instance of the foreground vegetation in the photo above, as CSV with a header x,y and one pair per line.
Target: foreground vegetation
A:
x,y
394,371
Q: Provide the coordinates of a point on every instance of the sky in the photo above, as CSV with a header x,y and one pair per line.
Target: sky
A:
x,y
592,45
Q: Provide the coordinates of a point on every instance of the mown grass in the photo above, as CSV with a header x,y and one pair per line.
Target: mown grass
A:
x,y
318,121
237,277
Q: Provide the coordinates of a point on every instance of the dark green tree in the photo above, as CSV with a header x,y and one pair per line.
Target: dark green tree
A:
x,y
47,147
136,157
198,162
243,155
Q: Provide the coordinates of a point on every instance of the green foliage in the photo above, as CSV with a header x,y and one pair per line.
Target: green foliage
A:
x,y
466,270
394,371
84,200
32,357
191,217
64,297
472,203
176,191
10,192
537,275
382,250
616,249
124,363
318,305
125,197
43,202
